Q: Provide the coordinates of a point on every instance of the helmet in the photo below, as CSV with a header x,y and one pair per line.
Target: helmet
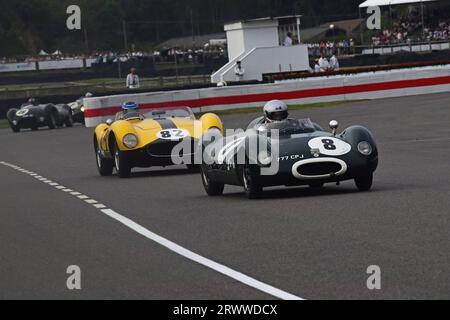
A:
x,y
276,110
88,95
130,106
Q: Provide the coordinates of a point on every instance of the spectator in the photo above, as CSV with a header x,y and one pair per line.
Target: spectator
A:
x,y
323,63
288,42
133,80
317,66
334,63
239,71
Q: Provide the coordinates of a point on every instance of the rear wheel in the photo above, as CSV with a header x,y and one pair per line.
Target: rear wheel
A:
x,y
212,188
105,166
69,120
250,178
364,182
121,163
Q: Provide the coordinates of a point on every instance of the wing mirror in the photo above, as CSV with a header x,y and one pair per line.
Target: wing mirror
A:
x,y
334,125
109,122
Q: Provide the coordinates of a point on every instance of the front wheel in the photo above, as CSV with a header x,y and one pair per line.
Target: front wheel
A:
x,y
212,188
121,163
14,128
250,178
105,166
51,120
364,182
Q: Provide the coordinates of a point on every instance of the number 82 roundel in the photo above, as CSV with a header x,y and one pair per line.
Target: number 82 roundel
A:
x,y
173,134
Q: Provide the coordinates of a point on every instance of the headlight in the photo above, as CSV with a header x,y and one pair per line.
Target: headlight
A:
x,y
365,148
83,109
130,141
264,158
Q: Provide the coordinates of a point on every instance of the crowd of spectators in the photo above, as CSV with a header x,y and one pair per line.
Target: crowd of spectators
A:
x,y
409,29
167,55
339,47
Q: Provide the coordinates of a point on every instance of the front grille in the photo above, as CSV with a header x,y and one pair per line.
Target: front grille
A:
x,y
27,122
319,169
165,148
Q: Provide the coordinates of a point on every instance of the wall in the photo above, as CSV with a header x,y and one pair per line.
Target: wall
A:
x,y
375,85
47,65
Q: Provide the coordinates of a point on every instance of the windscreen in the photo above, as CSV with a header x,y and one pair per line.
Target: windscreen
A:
x,y
288,127
183,112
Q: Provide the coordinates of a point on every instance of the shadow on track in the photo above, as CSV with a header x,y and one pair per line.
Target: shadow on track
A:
x,y
304,192
163,173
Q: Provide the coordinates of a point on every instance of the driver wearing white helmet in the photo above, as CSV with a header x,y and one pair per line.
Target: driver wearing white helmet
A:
x,y
275,111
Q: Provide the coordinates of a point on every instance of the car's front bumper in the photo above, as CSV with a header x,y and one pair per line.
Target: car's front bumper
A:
x,y
161,153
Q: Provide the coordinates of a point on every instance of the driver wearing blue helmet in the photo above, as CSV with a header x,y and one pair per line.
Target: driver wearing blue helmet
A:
x,y
130,110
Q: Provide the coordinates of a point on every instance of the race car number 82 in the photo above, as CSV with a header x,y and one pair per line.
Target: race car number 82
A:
x,y
172,134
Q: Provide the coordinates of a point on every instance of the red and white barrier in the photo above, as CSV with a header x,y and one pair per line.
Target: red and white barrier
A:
x,y
374,85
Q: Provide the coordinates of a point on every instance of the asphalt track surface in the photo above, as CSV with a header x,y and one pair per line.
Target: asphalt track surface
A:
x,y
312,244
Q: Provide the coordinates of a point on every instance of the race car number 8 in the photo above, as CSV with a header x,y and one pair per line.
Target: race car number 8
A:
x,y
172,134
330,146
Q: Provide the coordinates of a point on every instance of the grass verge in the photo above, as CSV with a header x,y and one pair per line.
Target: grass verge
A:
x,y
4,124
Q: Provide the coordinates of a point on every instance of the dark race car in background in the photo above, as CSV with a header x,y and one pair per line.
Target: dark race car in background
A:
x,y
77,110
307,155
35,116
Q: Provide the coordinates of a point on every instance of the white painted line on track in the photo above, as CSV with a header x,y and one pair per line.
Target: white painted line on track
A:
x,y
188,254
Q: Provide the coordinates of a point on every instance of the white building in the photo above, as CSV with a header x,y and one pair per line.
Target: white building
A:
x,y
259,45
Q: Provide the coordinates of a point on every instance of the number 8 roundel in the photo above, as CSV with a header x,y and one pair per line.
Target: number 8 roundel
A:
x,y
330,146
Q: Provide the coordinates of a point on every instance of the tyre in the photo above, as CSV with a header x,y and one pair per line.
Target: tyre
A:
x,y
105,166
213,189
69,120
14,128
51,120
364,182
11,115
252,187
121,163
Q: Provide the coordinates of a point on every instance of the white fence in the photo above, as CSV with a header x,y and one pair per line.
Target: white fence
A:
x,y
47,65
409,48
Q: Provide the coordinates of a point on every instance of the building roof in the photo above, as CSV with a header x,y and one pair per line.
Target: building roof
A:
x,y
264,19
380,3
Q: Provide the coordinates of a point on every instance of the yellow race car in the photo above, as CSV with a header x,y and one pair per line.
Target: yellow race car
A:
x,y
135,140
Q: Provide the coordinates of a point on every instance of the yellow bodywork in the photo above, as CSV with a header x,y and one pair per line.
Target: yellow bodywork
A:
x,y
147,130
